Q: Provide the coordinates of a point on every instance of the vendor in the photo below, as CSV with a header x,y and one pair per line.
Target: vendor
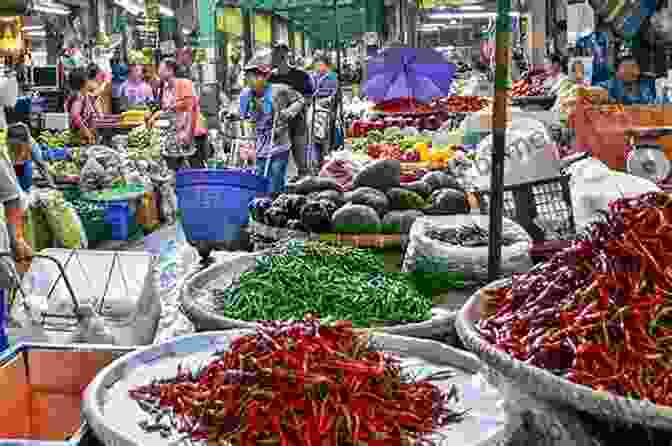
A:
x,y
629,87
263,102
177,98
83,107
25,154
14,206
100,87
135,91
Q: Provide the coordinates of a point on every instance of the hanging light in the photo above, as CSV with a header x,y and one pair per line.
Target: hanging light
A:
x,y
49,7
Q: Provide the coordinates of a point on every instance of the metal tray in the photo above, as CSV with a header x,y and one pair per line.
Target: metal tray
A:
x,y
114,417
44,384
197,304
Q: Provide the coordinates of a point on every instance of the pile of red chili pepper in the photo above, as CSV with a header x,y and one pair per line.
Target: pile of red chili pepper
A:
x,y
300,383
600,312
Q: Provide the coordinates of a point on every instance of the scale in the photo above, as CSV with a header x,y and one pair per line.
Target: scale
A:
x,y
650,162
648,159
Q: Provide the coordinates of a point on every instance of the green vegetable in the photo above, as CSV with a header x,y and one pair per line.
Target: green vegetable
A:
x,y
336,283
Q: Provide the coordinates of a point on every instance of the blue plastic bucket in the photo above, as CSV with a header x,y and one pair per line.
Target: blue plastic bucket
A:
x,y
214,202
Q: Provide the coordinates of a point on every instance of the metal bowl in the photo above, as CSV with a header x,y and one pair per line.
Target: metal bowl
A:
x,y
114,417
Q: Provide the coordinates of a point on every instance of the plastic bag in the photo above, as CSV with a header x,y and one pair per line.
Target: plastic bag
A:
x,y
530,155
64,222
593,186
168,203
92,176
427,255
341,170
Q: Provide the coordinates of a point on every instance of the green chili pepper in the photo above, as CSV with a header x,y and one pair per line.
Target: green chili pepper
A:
x,y
344,283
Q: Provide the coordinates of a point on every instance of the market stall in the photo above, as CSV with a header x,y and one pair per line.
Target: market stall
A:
x,y
102,194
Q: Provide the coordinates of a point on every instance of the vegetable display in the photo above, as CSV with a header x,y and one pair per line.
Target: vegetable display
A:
x,y
298,383
143,144
464,104
598,313
393,145
333,282
58,140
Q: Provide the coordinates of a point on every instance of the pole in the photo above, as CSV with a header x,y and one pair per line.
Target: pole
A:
x,y
339,99
502,85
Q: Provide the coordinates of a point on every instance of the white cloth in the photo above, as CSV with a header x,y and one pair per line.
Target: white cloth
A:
x,y
593,186
9,92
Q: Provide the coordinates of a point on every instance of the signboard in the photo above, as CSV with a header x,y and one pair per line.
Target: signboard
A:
x,y
371,39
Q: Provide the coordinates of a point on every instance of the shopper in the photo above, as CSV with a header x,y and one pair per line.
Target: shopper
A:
x,y
325,81
263,102
25,154
180,105
83,108
135,91
301,82
629,87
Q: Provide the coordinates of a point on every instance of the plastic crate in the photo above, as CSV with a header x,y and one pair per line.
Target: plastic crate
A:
x,y
119,215
99,225
547,199
53,154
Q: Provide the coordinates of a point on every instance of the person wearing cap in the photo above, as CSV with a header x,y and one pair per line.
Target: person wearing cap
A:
x,y
25,153
325,81
11,197
265,103
301,82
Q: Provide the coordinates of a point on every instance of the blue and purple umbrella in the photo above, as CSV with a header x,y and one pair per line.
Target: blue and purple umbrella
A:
x,y
419,73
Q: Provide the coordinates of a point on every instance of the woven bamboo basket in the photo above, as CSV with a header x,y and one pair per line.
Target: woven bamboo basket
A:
x,y
412,168
357,240
545,386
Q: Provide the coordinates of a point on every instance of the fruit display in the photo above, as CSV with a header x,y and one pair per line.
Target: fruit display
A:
x,y
378,203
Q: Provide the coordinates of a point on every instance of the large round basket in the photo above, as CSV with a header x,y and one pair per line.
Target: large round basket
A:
x,y
545,386
382,241
196,303
113,415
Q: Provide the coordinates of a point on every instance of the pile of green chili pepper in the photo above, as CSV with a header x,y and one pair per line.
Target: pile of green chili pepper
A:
x,y
332,282
299,384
